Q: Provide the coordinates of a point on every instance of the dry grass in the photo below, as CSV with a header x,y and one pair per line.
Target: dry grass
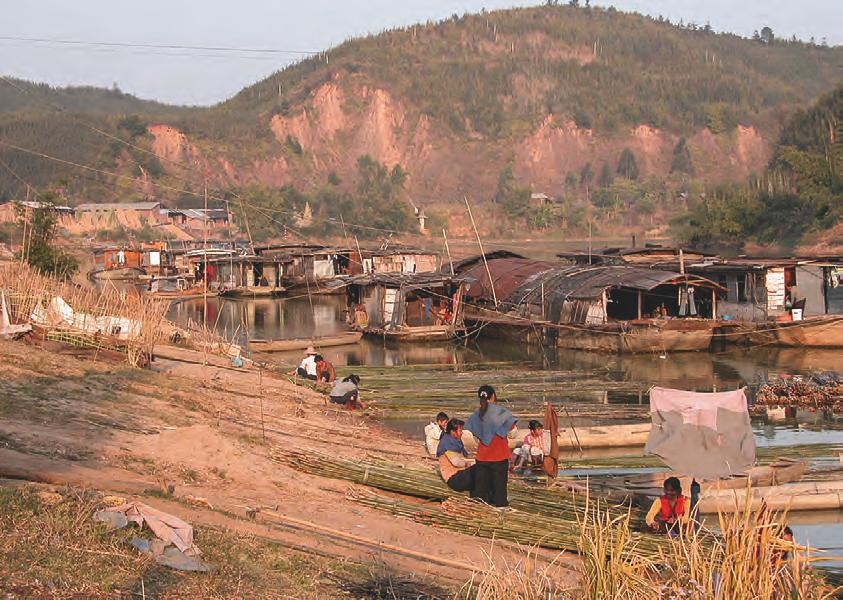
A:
x,y
51,548
525,578
746,560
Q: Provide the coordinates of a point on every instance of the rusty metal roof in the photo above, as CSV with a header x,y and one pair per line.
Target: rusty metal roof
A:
x,y
515,279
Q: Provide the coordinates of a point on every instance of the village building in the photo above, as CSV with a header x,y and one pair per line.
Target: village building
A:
x,y
198,219
132,213
406,306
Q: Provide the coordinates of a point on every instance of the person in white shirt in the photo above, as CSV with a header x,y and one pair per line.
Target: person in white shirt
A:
x,y
307,367
433,432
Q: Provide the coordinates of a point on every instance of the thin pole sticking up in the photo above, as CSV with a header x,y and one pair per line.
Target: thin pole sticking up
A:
x,y
205,277
482,252
448,250
360,255
260,398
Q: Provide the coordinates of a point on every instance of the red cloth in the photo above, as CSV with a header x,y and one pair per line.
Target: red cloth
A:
x,y
496,451
675,512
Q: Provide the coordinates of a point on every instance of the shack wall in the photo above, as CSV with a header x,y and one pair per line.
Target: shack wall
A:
x,y
810,285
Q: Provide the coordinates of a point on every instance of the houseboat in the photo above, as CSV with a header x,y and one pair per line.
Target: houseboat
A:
x,y
417,307
602,307
117,263
794,302
243,276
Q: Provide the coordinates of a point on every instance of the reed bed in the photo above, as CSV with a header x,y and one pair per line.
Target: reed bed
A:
x,y
28,290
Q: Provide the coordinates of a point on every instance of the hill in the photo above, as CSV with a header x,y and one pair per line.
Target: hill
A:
x,y
797,198
492,105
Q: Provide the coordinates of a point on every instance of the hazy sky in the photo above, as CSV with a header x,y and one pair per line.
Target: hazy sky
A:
x,y
208,76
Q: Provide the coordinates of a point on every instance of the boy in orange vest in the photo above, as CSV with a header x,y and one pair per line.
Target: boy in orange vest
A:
x,y
670,509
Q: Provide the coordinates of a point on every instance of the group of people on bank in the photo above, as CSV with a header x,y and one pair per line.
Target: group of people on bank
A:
x,y
486,477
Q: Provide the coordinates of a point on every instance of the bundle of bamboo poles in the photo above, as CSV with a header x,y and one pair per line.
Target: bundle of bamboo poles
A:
x,y
27,290
426,483
472,517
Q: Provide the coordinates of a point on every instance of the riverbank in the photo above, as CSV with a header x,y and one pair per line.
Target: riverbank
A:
x,y
83,423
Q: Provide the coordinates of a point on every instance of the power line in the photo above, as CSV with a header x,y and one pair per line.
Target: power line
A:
x,y
156,46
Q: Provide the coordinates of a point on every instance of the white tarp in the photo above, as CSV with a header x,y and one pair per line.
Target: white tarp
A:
x,y
701,435
59,313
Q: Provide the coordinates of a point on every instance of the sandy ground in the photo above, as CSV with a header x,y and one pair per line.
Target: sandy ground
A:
x,y
73,419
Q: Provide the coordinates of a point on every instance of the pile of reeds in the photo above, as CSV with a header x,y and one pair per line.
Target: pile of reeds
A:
x,y
521,388
27,289
472,517
427,484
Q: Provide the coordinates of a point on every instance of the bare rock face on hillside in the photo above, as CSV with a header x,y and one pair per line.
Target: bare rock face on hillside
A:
x,y
341,122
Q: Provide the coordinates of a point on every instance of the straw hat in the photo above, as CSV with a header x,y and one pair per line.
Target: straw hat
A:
x,y
310,350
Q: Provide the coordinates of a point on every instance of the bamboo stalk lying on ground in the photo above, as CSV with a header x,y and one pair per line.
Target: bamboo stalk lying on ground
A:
x,y
426,483
472,517
765,455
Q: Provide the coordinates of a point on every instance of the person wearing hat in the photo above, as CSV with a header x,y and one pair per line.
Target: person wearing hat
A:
x,y
307,368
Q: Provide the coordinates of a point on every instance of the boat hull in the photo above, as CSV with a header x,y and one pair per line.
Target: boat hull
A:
x,y
813,332
429,333
253,292
351,337
680,335
124,274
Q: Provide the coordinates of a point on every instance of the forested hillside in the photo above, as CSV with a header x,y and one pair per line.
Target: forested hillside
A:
x,y
622,120
800,193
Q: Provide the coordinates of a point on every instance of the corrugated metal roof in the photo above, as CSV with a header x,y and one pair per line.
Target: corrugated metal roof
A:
x,y
514,279
118,206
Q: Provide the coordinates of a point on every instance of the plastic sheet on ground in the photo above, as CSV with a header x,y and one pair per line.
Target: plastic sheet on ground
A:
x,y
59,313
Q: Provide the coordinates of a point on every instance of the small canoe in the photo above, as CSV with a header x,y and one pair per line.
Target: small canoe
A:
x,y
119,274
649,485
341,339
253,291
608,436
810,495
422,333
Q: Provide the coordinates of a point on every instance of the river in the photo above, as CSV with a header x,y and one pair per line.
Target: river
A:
x,y
593,388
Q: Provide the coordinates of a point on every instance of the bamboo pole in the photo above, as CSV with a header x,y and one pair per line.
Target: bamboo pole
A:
x,y
482,252
448,250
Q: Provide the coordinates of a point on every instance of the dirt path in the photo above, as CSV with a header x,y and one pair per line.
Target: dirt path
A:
x,y
66,420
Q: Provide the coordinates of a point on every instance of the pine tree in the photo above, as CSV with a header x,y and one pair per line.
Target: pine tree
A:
x,y
682,158
627,167
606,178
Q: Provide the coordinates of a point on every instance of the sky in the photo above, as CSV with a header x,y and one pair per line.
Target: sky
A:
x,y
289,28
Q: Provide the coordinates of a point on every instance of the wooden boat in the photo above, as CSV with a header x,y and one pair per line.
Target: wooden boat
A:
x,y
650,485
342,339
811,495
116,274
420,333
608,436
627,337
253,291
811,332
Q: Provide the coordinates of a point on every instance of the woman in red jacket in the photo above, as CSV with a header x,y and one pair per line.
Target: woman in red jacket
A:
x,y
490,425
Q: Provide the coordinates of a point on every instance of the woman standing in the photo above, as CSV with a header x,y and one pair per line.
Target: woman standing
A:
x,y
490,424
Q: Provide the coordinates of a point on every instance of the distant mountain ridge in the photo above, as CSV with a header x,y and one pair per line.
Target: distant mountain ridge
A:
x,y
550,92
